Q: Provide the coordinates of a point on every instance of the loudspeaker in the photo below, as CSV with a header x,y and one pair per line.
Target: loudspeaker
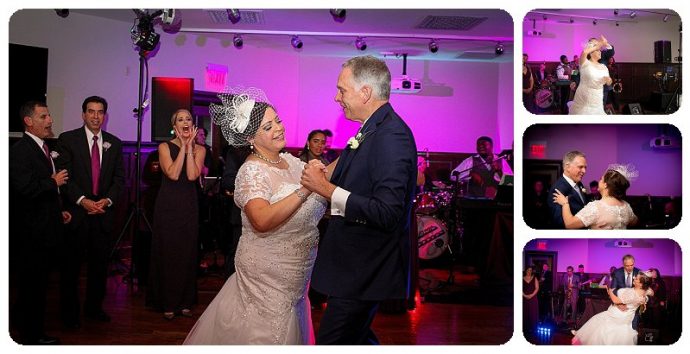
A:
x,y
662,52
660,100
168,95
28,80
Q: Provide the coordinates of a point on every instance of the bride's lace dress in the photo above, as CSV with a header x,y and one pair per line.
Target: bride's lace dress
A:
x,y
265,301
589,96
598,215
612,326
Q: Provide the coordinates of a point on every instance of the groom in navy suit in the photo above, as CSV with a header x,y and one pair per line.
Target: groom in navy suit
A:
x,y
623,278
364,256
570,184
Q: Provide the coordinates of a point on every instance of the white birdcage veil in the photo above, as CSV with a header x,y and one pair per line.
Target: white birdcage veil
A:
x,y
240,113
628,170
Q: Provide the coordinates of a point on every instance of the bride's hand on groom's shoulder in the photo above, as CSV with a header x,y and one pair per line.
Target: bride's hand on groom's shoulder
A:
x,y
559,198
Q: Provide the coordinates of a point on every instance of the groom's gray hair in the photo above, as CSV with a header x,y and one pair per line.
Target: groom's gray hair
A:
x,y
570,156
373,72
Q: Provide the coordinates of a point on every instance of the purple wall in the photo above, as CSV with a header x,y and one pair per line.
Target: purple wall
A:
x,y
634,42
598,255
660,169
461,100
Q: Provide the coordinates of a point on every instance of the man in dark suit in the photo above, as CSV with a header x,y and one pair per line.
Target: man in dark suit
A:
x,y
570,184
36,220
623,278
545,292
93,158
570,284
364,256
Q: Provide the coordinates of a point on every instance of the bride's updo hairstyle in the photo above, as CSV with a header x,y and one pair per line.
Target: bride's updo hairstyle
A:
x,y
645,280
616,183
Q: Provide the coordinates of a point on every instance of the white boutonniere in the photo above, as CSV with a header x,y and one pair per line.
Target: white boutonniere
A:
x,y
106,146
355,141
54,155
583,190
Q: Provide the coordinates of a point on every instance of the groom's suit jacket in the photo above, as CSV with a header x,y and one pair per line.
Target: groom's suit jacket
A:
x,y
365,254
619,278
576,204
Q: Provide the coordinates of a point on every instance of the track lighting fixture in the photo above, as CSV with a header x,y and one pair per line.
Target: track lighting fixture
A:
x,y
617,24
571,20
499,48
234,15
615,12
62,12
433,46
360,44
666,17
633,14
237,41
338,14
296,42
594,21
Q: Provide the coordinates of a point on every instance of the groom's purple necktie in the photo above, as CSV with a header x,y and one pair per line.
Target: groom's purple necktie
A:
x,y
95,165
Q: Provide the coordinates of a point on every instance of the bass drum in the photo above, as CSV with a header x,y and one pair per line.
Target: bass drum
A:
x,y
543,98
432,237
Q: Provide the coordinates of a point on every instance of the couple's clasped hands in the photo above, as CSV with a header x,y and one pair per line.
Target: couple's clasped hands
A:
x,y
314,176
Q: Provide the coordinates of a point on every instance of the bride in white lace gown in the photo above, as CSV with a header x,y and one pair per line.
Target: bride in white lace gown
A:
x,y
265,301
614,326
589,96
611,211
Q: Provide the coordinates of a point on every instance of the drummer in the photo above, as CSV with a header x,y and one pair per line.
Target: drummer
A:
x,y
423,183
482,172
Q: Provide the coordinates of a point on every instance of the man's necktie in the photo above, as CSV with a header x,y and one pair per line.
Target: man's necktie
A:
x,y
95,165
47,153
628,283
579,193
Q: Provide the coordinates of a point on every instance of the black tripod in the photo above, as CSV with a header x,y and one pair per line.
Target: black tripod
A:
x,y
136,212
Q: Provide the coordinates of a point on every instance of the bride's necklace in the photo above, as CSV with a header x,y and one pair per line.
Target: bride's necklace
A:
x,y
280,159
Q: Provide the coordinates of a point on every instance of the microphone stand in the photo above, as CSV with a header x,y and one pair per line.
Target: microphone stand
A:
x,y
137,212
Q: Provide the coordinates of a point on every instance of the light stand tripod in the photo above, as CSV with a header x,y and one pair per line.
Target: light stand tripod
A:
x,y
137,212
677,92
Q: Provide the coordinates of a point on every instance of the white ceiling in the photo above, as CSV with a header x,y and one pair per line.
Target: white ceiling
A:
x,y
384,30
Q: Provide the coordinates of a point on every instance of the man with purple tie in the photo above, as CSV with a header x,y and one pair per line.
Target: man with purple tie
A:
x,y
93,159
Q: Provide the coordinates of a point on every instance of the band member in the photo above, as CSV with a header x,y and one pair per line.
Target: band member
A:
x,y
482,171
564,72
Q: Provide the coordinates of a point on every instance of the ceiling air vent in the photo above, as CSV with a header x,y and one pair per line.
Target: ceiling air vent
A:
x,y
455,23
246,16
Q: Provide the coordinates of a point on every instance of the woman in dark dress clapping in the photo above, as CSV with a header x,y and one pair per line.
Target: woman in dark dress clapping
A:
x,y
172,280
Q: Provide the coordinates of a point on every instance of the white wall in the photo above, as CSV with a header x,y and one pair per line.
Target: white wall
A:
x,y
634,42
94,56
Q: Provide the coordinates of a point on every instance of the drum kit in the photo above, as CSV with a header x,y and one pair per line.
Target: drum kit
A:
x,y
545,94
431,208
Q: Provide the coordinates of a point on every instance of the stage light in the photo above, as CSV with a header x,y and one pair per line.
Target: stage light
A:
x,y
615,12
338,14
633,14
143,35
571,20
360,44
234,15
237,41
666,17
62,12
594,21
499,48
544,17
433,46
296,42
617,24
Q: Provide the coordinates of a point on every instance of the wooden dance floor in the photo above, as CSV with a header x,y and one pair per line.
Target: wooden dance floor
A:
x,y
430,323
